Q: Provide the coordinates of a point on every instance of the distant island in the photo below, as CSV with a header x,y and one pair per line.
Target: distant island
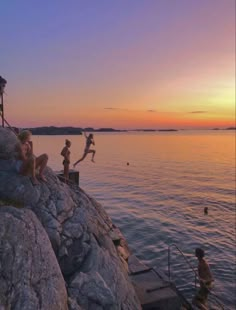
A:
x,y
52,130
167,130
229,128
148,130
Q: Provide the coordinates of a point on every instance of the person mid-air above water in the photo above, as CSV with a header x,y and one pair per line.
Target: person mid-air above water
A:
x,y
89,141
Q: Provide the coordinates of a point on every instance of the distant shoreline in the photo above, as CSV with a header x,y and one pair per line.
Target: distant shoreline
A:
x,y
53,130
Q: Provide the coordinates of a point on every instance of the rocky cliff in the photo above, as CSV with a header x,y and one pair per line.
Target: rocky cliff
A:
x,y
56,250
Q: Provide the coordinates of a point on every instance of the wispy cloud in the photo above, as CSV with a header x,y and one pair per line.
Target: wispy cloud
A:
x,y
116,109
198,112
131,110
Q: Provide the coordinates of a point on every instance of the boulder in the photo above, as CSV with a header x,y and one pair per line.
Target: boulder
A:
x,y
30,277
7,144
79,231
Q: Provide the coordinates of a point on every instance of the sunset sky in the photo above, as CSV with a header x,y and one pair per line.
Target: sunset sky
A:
x,y
124,63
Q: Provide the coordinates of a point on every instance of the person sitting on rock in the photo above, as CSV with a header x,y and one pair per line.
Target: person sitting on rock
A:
x,y
26,163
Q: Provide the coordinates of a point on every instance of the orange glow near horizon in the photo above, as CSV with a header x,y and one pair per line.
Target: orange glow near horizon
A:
x,y
215,109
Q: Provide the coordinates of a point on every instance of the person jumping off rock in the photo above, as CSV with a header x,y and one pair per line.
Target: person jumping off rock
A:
x,y
87,150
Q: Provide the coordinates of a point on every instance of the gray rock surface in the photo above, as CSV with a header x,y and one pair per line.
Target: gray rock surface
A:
x,y
79,229
30,277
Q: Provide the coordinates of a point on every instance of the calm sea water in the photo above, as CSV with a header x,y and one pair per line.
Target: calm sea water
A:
x,y
158,199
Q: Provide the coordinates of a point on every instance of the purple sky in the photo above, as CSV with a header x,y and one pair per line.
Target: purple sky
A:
x,y
103,57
